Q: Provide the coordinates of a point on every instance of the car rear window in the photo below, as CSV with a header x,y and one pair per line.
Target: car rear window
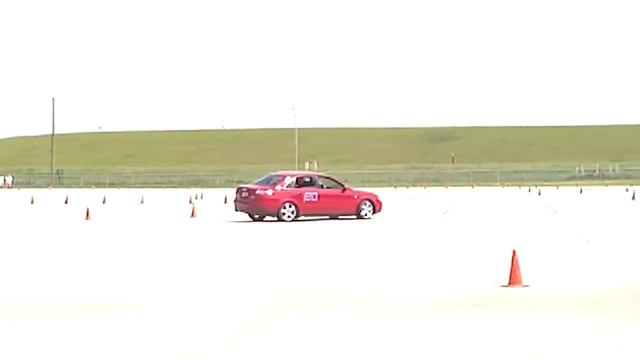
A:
x,y
269,180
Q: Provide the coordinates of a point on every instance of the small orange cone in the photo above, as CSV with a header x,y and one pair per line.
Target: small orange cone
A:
x,y
66,200
88,215
193,212
515,278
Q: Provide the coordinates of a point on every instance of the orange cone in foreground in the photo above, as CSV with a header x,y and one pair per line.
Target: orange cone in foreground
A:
x,y
193,212
515,278
88,215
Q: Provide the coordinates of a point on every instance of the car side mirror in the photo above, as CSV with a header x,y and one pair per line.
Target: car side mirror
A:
x,y
344,189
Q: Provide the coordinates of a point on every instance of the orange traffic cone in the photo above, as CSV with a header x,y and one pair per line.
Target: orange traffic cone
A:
x,y
66,200
88,215
515,278
193,212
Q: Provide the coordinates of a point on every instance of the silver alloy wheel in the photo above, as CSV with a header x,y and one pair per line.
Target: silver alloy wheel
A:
x,y
365,210
288,212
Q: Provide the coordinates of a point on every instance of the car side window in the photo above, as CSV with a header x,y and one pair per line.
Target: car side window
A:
x,y
306,181
328,183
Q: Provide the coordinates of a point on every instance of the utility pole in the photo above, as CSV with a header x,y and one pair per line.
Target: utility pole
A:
x,y
53,134
295,124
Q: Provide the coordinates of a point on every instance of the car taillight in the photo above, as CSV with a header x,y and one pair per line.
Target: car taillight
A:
x,y
242,193
268,192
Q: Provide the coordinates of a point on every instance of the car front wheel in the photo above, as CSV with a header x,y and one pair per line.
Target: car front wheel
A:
x,y
365,210
287,212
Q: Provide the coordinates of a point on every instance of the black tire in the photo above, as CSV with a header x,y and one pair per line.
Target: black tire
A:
x,y
256,217
288,212
365,210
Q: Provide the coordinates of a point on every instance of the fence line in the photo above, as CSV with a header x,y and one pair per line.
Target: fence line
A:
x,y
438,176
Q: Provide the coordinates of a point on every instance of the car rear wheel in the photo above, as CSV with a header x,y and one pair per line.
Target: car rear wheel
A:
x,y
256,217
365,210
287,212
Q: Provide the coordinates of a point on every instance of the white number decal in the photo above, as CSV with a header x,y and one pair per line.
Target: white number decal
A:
x,y
310,196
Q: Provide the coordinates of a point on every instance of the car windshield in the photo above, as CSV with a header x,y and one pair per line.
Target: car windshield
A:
x,y
269,180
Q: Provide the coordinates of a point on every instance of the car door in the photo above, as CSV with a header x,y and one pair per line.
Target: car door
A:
x,y
306,194
337,199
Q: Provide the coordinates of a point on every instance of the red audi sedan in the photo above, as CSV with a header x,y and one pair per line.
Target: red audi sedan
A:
x,y
288,195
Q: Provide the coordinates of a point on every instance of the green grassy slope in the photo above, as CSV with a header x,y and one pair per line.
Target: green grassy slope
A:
x,y
333,148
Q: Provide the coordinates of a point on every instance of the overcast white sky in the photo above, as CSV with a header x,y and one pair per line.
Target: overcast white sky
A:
x,y
132,64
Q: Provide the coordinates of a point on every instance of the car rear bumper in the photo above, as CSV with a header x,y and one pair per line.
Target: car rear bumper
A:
x,y
264,207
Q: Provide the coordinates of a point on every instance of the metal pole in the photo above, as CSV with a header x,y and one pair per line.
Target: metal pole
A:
x,y
53,134
295,124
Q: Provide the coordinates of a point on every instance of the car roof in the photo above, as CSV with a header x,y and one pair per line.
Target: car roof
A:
x,y
298,173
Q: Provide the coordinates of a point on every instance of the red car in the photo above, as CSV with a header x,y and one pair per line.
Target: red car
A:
x,y
288,195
